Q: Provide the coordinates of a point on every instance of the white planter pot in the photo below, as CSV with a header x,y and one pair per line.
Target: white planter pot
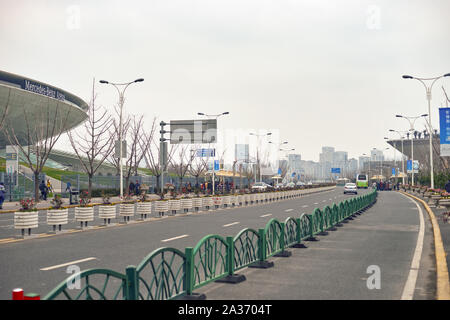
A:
x,y
107,212
217,201
126,210
207,202
186,204
26,220
84,214
226,201
161,207
174,205
197,203
144,209
240,200
57,217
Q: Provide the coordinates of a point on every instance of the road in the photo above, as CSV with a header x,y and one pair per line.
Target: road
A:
x,y
39,264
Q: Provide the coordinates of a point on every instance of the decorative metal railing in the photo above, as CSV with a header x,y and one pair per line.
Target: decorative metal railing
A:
x,y
168,273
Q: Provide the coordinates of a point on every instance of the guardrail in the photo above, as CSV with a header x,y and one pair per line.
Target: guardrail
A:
x,y
168,273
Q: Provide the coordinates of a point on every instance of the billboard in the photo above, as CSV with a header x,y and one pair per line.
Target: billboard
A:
x,y
444,122
193,131
409,166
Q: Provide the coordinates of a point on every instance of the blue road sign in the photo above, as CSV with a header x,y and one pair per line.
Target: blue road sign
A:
x,y
393,171
216,165
444,123
335,170
206,152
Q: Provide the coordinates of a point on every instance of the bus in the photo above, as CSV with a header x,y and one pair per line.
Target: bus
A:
x,y
362,181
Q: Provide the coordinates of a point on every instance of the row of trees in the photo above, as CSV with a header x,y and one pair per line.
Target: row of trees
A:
x,y
94,142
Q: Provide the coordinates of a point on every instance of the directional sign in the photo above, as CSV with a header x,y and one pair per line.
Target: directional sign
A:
x,y
216,165
335,170
206,153
193,131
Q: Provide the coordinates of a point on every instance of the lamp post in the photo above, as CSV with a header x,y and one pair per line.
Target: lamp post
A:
x,y
400,133
370,158
121,87
411,121
286,155
428,89
216,116
381,167
257,150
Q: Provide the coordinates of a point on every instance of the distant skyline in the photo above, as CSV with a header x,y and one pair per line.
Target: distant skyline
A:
x,y
320,73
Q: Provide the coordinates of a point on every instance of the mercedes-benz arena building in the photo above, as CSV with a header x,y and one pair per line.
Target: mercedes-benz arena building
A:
x,y
21,96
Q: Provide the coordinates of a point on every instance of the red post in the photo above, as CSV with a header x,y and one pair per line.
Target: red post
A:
x,y
17,294
32,296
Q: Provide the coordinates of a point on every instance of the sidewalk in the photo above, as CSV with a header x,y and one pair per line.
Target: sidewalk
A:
x,y
445,232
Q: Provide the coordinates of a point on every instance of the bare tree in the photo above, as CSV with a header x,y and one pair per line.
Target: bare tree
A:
x,y
181,162
151,155
38,135
136,149
95,141
198,166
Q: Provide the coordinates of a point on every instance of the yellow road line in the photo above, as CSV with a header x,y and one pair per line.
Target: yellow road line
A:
x,y
442,277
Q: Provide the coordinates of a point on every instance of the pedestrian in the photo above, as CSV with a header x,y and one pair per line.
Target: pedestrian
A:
x,y
137,187
131,188
447,186
49,186
44,190
69,188
2,194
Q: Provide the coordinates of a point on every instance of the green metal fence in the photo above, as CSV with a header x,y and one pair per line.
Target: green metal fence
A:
x,y
168,273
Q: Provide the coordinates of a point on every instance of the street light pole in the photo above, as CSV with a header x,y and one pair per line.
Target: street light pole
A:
x,y
411,123
257,151
428,92
403,155
121,103
216,116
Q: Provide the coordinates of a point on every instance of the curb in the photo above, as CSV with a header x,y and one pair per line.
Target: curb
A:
x,y
442,277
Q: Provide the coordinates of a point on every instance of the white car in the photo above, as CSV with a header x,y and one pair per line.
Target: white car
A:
x,y
290,185
260,186
350,188
279,186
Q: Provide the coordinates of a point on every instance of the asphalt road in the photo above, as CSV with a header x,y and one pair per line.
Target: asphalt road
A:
x,y
39,264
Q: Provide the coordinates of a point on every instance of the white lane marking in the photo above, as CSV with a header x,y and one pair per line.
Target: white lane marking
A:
x,y
67,264
410,285
324,200
265,215
288,210
230,224
175,238
305,206
316,203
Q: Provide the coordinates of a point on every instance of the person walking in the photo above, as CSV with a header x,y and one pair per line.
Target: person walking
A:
x,y
447,186
2,194
43,188
49,186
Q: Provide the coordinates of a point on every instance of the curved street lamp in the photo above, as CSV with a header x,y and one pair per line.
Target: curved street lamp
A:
x,y
428,89
124,87
411,121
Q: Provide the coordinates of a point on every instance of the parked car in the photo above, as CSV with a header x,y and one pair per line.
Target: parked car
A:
x,y
279,186
350,188
290,185
261,186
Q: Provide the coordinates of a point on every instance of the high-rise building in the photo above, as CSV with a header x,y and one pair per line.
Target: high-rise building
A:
x,y
376,155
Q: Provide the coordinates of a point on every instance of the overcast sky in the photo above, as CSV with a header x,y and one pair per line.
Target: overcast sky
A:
x,y
318,73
